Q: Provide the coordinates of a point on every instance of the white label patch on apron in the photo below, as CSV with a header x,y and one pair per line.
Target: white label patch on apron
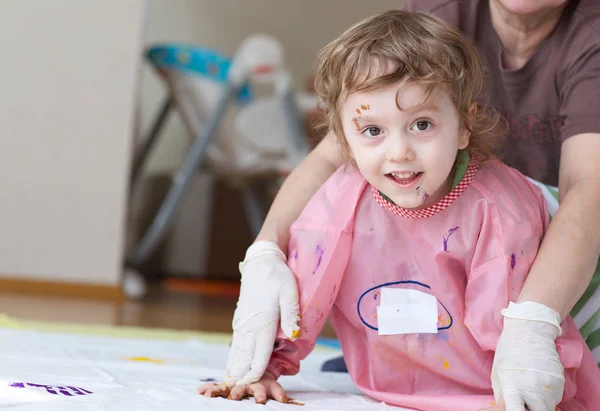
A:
x,y
403,311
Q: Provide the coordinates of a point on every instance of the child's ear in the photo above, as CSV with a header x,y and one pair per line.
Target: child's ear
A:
x,y
465,134
463,138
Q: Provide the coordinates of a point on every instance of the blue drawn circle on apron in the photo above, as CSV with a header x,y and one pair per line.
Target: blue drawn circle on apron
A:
x,y
396,283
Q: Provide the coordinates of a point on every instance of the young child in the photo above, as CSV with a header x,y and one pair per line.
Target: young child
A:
x,y
416,246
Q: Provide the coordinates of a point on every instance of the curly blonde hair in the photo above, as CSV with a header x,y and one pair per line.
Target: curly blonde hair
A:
x,y
419,47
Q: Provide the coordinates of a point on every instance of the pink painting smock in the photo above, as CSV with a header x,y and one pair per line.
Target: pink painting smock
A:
x,y
472,251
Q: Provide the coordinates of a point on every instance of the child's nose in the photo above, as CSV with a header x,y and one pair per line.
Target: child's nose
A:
x,y
400,150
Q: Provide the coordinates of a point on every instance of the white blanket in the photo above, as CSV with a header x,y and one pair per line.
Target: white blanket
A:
x,y
60,371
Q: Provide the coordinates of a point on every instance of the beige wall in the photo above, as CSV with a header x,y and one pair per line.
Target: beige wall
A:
x,y
67,78
302,27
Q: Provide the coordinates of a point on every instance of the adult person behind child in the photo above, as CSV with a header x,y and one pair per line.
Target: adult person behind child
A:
x,y
543,58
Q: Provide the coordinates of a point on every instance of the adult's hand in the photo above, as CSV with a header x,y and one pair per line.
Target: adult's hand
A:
x,y
527,370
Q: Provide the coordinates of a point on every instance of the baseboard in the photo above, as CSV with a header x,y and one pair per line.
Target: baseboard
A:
x,y
215,288
60,289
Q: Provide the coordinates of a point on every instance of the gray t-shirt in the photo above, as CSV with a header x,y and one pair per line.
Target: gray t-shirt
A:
x,y
556,95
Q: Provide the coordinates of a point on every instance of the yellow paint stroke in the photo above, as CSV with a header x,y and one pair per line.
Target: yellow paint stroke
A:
x,y
446,364
144,359
296,334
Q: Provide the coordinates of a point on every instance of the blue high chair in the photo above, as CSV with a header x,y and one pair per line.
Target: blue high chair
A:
x,y
236,136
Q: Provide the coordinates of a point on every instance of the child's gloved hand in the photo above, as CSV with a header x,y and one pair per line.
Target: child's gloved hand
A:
x,y
527,370
268,293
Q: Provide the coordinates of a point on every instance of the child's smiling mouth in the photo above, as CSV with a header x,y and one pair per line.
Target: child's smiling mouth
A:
x,y
404,179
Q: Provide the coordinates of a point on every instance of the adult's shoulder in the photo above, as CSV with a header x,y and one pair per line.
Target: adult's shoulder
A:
x,y
462,14
579,27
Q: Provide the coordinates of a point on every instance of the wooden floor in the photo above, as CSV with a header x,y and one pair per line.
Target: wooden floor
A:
x,y
160,309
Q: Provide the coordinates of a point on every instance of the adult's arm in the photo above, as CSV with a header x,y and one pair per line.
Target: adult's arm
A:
x,y
569,252
298,189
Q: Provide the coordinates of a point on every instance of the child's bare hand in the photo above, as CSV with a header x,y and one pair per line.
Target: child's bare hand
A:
x,y
212,389
267,388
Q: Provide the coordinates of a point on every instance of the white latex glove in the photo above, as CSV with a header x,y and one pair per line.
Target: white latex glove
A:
x,y
527,370
268,293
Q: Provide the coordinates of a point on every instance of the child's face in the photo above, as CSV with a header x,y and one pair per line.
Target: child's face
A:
x,y
404,148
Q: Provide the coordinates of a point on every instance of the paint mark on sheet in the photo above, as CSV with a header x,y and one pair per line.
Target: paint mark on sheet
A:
x,y
210,379
447,237
319,251
144,359
65,390
513,261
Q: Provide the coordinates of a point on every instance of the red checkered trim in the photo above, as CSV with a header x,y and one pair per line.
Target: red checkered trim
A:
x,y
435,208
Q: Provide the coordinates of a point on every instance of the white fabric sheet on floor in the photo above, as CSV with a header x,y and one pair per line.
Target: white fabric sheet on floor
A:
x,y
60,371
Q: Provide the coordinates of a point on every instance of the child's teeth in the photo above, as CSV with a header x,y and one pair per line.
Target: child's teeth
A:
x,y
403,176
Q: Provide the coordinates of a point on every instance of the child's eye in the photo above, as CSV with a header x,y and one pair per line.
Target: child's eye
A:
x,y
372,131
421,125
